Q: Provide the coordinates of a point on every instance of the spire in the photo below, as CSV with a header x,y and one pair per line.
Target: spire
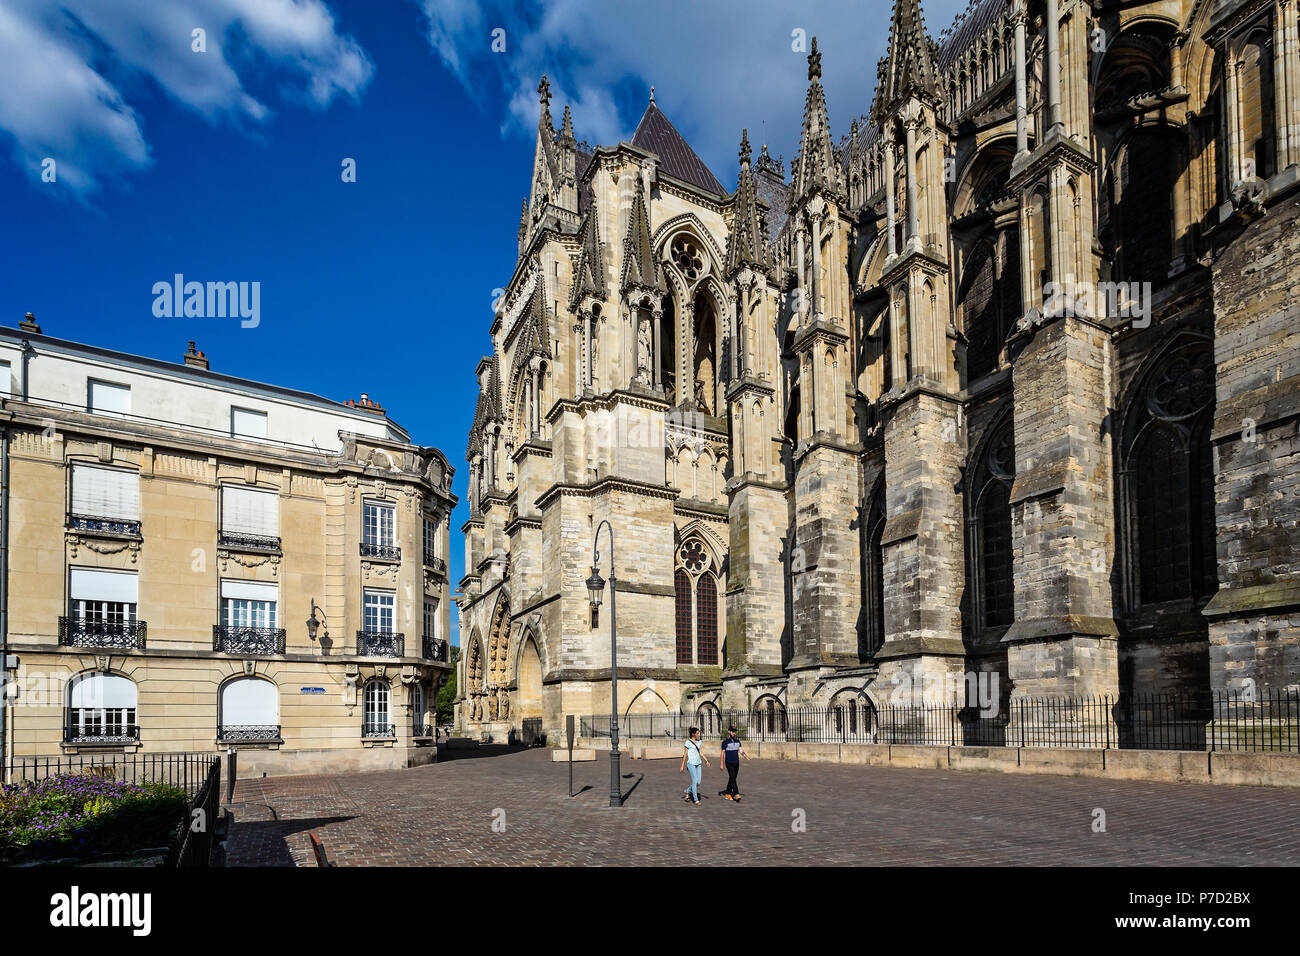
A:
x,y
523,225
589,274
908,69
745,243
566,129
815,167
639,265
546,163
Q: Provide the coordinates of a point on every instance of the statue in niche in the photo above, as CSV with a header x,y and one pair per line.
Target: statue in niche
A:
x,y
645,350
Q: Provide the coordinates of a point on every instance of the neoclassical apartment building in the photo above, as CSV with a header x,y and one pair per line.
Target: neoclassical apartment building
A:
x,y
1001,376
197,562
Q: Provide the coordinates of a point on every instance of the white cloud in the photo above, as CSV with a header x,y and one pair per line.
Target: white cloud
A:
x,y
65,61
717,66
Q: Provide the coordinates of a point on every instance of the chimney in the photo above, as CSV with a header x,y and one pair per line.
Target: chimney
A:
x,y
194,358
364,404
29,325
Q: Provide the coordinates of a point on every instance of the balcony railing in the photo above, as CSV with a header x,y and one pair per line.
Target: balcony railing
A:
x,y
438,565
380,644
419,729
435,649
249,733
240,541
80,632
92,524
371,729
108,734
234,639
384,552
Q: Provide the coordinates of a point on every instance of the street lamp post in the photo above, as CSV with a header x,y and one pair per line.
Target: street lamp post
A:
x,y
596,588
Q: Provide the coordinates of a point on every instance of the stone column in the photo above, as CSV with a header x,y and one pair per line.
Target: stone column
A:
x,y
589,375
814,266
803,284
891,213
1022,84
1063,641
1053,66
657,364
1232,82
913,210
1286,100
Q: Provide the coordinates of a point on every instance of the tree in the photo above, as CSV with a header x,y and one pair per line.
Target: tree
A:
x,y
447,693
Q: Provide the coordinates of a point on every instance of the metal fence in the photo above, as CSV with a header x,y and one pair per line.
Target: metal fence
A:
x,y
192,845
188,770
1266,722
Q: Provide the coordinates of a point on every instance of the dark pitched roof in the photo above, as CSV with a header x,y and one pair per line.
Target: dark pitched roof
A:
x,y
657,135
966,29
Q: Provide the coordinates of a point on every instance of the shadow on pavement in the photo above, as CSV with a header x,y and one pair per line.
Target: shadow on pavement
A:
x,y
265,842
446,753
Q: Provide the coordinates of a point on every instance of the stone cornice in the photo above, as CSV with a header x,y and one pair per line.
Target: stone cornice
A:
x,y
604,486
649,400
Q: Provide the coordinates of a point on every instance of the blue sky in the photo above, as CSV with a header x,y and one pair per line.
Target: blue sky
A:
x,y
224,165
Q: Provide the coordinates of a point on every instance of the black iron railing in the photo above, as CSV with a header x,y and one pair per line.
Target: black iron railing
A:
x,y
187,770
237,639
92,524
114,635
380,644
438,565
192,844
240,541
1263,722
384,552
419,729
108,734
252,733
435,649
369,729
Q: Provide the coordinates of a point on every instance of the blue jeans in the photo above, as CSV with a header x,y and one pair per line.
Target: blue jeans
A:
x,y
694,788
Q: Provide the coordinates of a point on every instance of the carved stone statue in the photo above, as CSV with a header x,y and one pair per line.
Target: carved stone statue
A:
x,y
645,350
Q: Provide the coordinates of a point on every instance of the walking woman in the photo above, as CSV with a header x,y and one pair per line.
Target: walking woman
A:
x,y
692,758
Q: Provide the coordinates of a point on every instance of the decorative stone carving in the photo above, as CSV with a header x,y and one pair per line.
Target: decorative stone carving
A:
x,y
225,556
106,546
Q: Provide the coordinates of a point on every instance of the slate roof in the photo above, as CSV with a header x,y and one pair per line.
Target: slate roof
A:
x,y
656,134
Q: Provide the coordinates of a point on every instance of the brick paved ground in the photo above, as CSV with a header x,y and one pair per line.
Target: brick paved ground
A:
x,y
443,814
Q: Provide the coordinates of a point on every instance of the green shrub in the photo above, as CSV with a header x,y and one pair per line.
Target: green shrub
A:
x,y
81,816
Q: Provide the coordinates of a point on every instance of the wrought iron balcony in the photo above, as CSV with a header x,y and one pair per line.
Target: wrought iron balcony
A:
x,y
235,639
422,730
438,565
380,644
369,729
384,552
249,733
435,649
107,734
240,541
92,524
115,635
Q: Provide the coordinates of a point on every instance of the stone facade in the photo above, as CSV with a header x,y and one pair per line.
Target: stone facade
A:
x,y
1001,381
209,649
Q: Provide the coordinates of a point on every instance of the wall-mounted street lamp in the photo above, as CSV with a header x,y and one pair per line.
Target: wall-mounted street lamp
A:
x,y
596,588
313,625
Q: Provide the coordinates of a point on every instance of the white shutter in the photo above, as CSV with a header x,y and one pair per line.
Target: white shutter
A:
x,y
90,584
250,511
246,423
6,379
96,691
109,399
105,492
250,590
250,701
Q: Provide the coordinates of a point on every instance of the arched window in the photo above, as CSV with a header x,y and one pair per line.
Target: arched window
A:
x,y
1256,94
668,351
377,721
695,584
101,709
1138,209
705,385
768,718
1040,238
684,617
709,719
1168,477
991,561
874,598
249,710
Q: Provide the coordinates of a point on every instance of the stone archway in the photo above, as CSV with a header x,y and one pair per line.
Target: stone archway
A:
x,y
528,681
